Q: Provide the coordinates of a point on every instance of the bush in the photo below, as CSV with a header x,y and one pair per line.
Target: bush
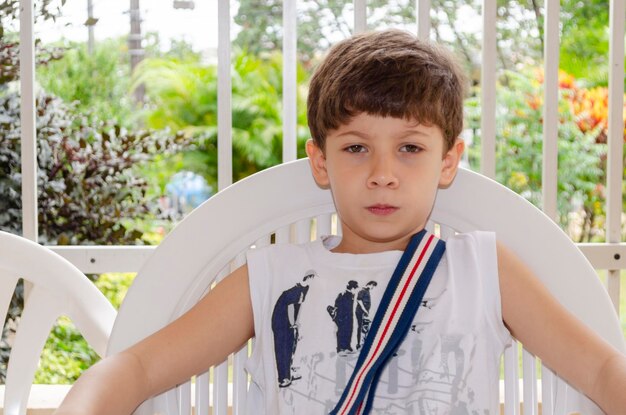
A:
x,y
581,149
66,353
88,188
96,83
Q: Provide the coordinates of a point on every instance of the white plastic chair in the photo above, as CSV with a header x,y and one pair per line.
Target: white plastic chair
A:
x,y
285,201
58,289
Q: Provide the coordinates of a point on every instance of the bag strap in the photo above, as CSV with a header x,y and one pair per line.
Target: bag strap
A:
x,y
392,321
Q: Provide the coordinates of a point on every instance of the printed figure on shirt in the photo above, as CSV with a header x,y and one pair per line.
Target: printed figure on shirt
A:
x,y
343,314
285,328
363,319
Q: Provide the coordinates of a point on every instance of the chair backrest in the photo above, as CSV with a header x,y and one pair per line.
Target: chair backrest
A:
x,y
285,202
57,289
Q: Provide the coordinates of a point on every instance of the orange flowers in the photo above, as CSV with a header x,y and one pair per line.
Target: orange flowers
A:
x,y
590,107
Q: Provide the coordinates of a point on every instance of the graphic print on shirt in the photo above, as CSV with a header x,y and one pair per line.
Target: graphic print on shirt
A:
x,y
426,375
363,318
285,329
434,390
344,316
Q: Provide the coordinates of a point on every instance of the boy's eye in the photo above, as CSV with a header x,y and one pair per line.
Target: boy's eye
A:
x,y
355,148
410,148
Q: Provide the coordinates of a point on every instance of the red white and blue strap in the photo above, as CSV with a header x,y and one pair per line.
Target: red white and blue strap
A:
x,y
392,321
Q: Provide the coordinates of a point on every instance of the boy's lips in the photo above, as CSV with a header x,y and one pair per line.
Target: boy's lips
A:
x,y
381,209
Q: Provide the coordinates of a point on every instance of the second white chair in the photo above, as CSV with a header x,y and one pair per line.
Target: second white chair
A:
x,y
58,289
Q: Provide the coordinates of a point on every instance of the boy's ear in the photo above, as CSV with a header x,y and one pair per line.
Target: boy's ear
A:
x,y
451,163
317,161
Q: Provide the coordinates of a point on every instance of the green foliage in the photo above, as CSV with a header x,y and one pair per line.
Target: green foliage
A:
x,y
86,181
88,187
65,356
97,83
585,41
318,20
9,45
519,154
66,353
182,95
43,10
520,37
114,286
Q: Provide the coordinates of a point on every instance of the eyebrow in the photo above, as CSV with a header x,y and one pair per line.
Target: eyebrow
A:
x,y
357,133
366,136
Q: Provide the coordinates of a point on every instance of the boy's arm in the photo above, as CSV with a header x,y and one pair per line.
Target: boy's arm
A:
x,y
219,324
558,338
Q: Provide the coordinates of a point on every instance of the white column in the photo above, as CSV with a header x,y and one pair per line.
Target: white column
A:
x,y
488,91
27,118
423,18
360,16
550,109
615,165
290,110
224,98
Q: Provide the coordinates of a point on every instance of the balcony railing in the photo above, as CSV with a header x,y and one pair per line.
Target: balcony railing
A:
x,y
610,255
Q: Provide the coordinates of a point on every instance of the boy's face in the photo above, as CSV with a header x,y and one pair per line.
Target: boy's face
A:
x,y
384,174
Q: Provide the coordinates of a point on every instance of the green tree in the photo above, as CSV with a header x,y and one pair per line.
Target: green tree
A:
x,y
97,83
9,45
88,188
182,95
520,38
318,22
585,41
580,156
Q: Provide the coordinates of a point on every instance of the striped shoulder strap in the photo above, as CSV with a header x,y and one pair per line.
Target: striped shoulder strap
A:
x,y
392,320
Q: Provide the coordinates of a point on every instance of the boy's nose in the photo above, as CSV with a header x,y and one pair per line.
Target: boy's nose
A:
x,y
382,175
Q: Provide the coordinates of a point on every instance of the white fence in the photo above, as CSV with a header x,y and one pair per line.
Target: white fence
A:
x,y
610,255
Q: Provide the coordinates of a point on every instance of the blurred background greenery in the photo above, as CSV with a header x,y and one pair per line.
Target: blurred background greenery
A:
x,y
114,169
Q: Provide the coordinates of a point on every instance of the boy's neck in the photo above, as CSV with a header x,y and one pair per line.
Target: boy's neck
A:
x,y
349,246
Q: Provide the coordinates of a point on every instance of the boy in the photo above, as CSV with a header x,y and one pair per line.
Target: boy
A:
x,y
385,113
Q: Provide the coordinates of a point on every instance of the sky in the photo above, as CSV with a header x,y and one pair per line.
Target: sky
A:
x,y
197,26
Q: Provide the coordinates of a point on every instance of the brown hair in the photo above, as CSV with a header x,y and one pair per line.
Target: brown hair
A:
x,y
388,73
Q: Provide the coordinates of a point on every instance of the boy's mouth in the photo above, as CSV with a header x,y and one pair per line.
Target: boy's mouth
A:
x,y
382,210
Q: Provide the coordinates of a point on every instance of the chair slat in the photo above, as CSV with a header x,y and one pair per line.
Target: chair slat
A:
x,y
445,232
338,230
530,383
220,389
560,397
323,225
40,313
202,394
262,242
184,398
240,381
166,403
283,234
511,384
240,377
8,281
547,391
303,231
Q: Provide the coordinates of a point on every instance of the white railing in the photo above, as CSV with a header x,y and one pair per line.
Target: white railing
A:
x,y
610,255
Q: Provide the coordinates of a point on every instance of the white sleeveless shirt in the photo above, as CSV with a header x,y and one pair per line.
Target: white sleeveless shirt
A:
x,y
312,310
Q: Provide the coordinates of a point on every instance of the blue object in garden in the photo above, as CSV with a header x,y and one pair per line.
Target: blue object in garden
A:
x,y
187,190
